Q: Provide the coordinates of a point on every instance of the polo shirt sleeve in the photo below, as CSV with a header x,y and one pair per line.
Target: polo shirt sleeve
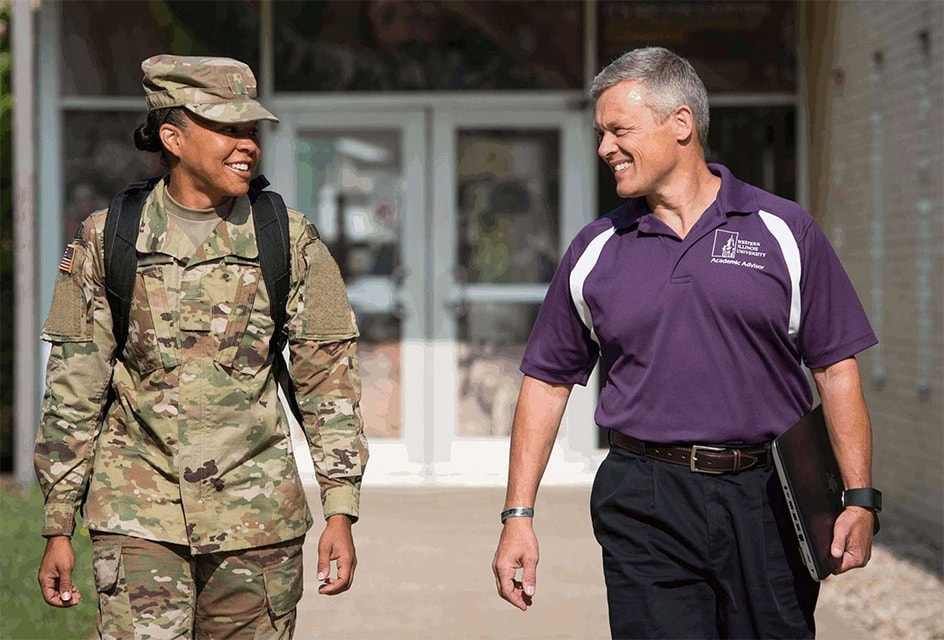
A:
x,y
833,323
560,349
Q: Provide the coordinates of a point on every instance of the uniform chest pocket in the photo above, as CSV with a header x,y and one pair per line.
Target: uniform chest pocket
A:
x,y
152,322
243,322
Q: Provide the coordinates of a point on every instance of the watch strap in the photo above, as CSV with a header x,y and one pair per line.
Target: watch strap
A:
x,y
867,498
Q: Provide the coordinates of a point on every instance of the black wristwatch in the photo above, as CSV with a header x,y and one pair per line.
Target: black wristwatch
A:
x,y
867,498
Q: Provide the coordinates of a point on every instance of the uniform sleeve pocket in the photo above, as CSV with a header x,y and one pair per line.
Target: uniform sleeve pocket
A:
x,y
106,560
284,582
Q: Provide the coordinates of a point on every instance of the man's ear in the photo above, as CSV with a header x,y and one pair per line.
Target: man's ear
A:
x,y
170,138
684,122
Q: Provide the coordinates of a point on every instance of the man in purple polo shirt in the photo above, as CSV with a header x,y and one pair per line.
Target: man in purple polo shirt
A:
x,y
701,297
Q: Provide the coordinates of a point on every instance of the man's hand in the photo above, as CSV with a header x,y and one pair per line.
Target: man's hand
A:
x,y
852,538
55,573
336,543
517,549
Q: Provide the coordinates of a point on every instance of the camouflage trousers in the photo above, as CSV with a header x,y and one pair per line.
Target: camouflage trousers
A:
x,y
151,590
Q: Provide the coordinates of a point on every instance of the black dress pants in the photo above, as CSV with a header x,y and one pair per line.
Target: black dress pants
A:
x,y
691,555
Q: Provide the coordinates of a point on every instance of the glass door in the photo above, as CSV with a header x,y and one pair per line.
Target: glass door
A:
x,y
448,224
360,176
510,191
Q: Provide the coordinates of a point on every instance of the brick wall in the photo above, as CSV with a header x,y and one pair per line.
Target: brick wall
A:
x,y
877,149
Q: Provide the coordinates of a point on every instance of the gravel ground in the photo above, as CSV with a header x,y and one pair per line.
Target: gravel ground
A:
x,y
900,594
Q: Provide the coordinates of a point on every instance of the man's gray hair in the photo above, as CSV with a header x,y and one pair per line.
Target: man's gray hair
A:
x,y
670,79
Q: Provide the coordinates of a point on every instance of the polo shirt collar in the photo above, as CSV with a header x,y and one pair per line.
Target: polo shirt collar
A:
x,y
734,197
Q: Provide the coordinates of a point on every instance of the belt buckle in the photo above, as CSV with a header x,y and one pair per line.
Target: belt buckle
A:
x,y
694,454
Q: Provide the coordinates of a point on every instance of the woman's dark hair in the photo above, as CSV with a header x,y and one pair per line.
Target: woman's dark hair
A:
x,y
147,138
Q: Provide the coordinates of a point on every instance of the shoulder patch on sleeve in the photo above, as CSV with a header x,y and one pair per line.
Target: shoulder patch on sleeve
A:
x,y
68,315
326,312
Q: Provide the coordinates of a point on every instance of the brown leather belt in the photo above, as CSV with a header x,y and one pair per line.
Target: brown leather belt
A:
x,y
699,458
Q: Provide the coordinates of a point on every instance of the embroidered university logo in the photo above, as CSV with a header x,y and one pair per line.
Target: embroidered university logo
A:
x,y
725,245
728,248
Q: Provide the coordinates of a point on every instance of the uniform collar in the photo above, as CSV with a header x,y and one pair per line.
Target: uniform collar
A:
x,y
734,197
234,237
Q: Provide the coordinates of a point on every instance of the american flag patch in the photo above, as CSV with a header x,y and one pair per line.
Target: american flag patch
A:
x,y
65,264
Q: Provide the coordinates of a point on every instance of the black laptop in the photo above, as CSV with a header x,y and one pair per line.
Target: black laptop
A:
x,y
809,474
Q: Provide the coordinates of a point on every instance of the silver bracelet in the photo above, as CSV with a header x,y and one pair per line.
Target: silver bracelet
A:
x,y
517,512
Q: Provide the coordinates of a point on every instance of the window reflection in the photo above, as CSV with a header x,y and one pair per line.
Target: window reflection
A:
x,y
104,41
407,45
353,184
509,205
735,45
492,338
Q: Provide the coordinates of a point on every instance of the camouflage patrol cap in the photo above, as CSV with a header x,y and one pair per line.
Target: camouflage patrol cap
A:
x,y
218,89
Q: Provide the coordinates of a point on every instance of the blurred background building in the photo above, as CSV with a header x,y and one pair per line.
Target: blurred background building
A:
x,y
445,151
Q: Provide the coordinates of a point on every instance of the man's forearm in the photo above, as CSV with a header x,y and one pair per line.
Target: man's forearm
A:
x,y
847,419
537,419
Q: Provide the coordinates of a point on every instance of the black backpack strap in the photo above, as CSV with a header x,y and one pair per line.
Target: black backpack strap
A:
x,y
270,218
121,258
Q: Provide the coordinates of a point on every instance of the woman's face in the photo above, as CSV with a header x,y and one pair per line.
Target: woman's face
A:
x,y
212,161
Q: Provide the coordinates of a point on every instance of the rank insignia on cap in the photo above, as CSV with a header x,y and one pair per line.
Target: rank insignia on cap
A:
x,y
65,264
237,85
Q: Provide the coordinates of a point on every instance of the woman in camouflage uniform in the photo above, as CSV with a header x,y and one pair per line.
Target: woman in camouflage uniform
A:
x,y
186,478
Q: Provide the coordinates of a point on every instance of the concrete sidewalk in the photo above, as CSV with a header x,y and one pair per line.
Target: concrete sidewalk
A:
x,y
424,571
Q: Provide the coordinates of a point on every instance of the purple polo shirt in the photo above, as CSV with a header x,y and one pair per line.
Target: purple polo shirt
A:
x,y
701,339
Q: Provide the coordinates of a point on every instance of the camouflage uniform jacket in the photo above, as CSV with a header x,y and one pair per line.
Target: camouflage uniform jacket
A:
x,y
196,449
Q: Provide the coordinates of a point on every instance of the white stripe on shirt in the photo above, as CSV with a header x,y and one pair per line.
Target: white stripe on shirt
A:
x,y
580,272
791,255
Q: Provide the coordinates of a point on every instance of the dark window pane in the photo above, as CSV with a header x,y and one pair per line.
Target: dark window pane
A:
x,y
100,159
104,41
736,46
399,45
758,144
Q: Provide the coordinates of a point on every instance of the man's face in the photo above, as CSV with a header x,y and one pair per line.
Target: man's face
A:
x,y
216,160
640,151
